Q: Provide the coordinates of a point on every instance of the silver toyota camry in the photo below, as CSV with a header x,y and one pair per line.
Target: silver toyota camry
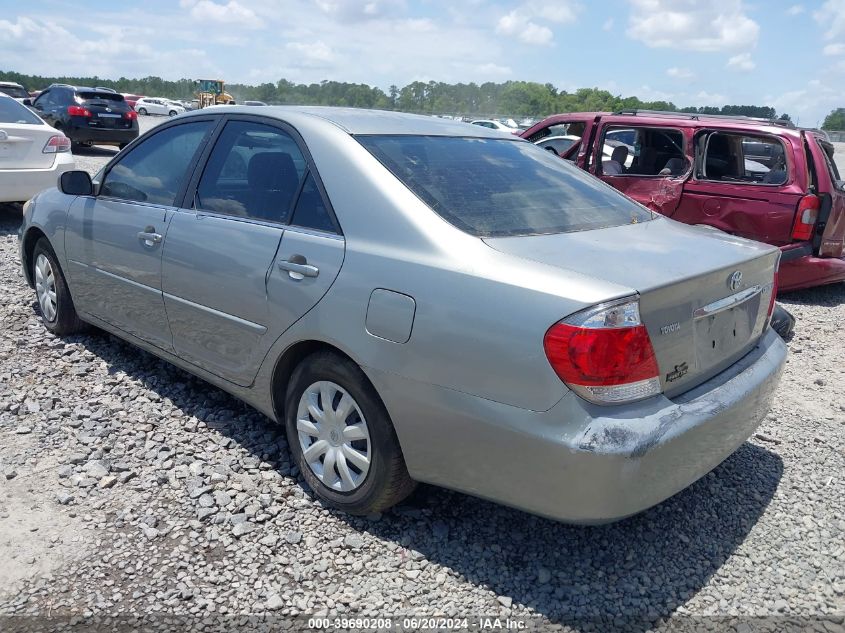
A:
x,y
420,300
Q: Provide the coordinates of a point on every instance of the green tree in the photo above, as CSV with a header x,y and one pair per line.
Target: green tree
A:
x,y
835,120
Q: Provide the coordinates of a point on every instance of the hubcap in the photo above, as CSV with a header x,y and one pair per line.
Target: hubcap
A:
x,y
333,436
45,287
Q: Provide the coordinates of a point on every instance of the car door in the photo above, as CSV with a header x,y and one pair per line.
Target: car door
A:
x,y
235,273
114,240
45,105
651,170
754,196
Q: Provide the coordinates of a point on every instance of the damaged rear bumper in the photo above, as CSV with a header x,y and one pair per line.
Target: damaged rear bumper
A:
x,y
578,462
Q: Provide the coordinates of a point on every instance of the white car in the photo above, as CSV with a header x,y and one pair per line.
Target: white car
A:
x,y
155,105
32,154
14,90
496,125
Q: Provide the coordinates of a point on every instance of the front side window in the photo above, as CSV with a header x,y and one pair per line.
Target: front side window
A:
x,y
254,171
154,170
497,188
642,151
743,158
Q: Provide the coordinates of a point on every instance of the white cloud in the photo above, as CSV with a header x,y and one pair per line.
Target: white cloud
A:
x,y
517,25
311,54
718,25
742,62
831,16
710,99
527,22
232,13
834,49
795,9
357,10
493,70
680,73
608,25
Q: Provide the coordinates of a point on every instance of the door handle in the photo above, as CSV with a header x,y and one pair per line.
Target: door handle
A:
x,y
149,236
298,267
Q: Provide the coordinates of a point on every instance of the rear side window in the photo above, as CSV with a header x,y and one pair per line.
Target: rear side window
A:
x,y
642,151
154,170
744,158
254,171
492,187
311,211
13,112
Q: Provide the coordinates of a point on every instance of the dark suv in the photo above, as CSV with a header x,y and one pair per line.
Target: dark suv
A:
x,y
88,115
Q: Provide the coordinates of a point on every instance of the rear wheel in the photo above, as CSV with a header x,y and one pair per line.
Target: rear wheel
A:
x,y
142,111
51,290
172,113
341,436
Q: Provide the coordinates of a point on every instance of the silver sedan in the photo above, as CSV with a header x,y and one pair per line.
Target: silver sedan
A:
x,y
420,300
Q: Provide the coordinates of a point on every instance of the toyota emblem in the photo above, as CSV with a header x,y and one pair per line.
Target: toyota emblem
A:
x,y
735,280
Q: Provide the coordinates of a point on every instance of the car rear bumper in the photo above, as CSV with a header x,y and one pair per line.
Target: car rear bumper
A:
x,y
578,462
100,136
19,185
808,271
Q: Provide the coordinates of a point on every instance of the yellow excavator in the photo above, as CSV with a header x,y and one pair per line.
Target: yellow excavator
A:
x,y
211,92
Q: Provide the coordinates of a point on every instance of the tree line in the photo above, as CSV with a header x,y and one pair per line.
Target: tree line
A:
x,y
510,98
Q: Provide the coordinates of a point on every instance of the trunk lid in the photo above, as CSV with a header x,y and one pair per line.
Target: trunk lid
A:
x,y
699,322
22,145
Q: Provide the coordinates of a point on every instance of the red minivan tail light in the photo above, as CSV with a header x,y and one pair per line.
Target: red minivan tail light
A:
x,y
805,218
78,111
604,353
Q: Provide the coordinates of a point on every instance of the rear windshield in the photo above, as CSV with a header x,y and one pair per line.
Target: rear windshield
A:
x,y
100,96
15,91
13,112
495,188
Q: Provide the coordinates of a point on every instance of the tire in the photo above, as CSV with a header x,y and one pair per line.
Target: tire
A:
x,y
59,316
142,111
385,480
171,113
122,145
783,322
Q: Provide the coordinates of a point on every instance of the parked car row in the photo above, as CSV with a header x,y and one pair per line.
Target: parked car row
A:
x,y
421,300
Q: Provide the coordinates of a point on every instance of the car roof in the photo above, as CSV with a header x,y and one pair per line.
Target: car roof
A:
x,y
677,119
11,83
363,122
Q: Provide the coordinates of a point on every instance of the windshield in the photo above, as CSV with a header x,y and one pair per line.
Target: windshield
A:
x,y
494,188
13,112
15,91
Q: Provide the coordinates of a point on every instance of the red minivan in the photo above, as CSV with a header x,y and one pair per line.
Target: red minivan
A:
x,y
764,180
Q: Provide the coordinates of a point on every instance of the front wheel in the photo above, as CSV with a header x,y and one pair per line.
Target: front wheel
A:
x,y
57,310
341,436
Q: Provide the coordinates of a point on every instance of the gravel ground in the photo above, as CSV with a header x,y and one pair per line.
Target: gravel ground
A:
x,y
129,488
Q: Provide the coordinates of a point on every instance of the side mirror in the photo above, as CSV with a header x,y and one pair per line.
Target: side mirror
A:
x,y
76,183
27,102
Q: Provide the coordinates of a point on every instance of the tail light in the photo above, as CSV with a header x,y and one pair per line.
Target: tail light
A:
x,y
78,111
56,144
604,353
805,218
131,115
